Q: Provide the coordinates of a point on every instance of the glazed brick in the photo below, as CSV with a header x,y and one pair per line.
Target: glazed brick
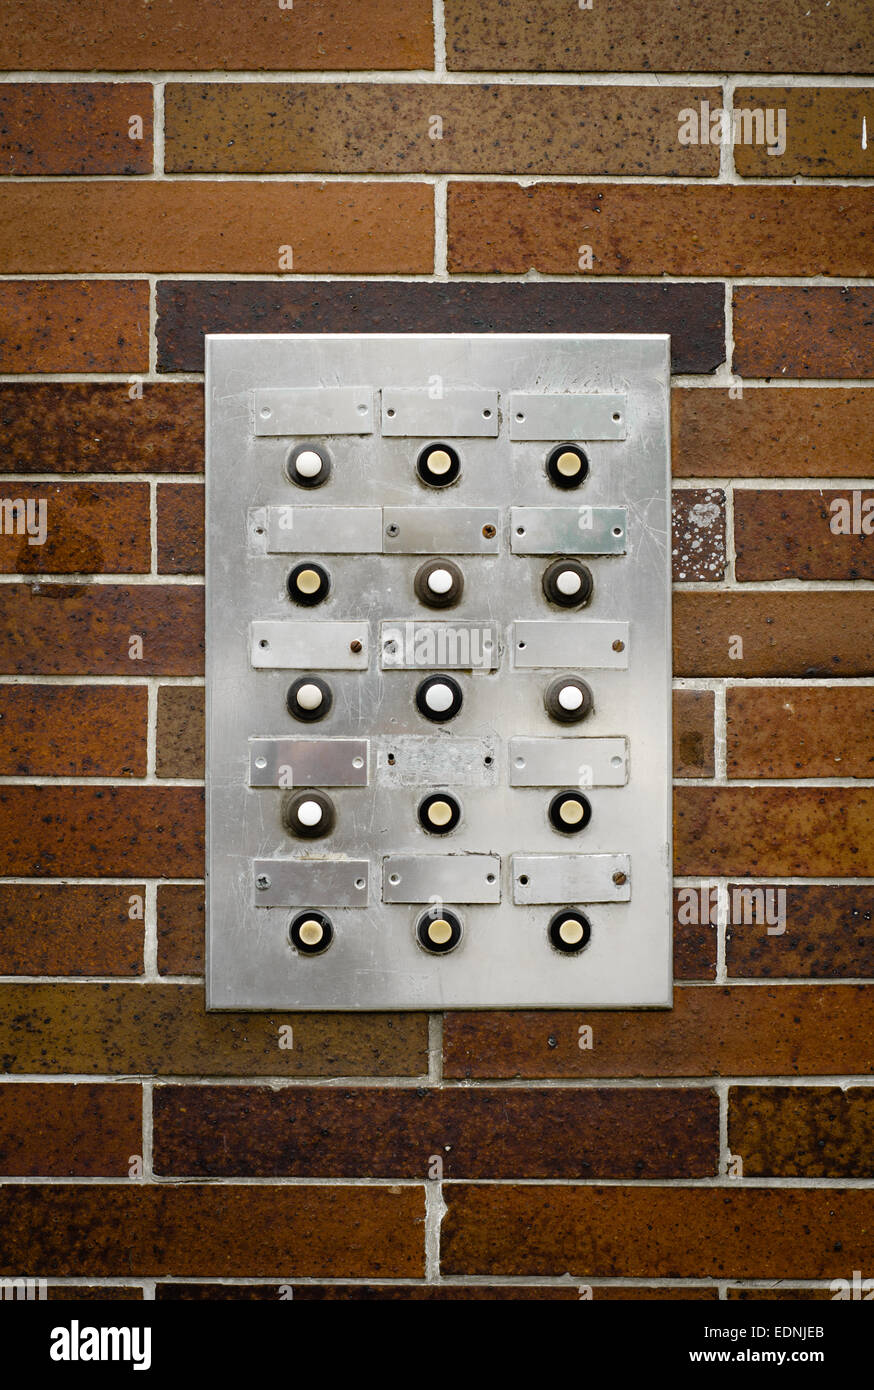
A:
x,y
181,928
783,831
698,534
180,528
782,634
695,943
823,331
90,528
59,1131
739,1030
49,831
181,731
149,1231
71,928
804,731
673,1232
73,326
97,427
426,1293
550,36
172,35
823,126
81,629
370,127
162,225
258,1132
772,432
137,1029
790,534
692,313
73,730
828,934
657,229
802,1131
693,733
74,128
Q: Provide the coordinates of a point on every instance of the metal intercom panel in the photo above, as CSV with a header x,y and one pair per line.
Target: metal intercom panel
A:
x,y
438,671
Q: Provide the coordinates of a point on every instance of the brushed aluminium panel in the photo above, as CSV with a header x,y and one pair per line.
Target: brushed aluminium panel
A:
x,y
568,762
324,530
409,644
428,761
310,882
309,645
314,410
441,531
568,530
553,415
449,878
583,643
571,878
308,762
453,414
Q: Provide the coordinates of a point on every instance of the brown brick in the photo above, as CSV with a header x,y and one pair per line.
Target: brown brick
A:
x,y
82,629
800,533
783,330
149,1231
71,928
421,1293
74,325
96,427
180,528
258,1132
377,127
823,128
737,1030
108,1293
783,634
181,928
59,1131
90,528
784,831
800,731
693,314
170,225
675,1232
73,730
695,941
781,1294
802,1131
654,229
828,931
74,128
181,731
772,432
51,831
135,1029
698,534
693,733
171,35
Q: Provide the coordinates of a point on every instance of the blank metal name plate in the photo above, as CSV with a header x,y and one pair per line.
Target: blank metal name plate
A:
x,y
308,762
567,416
564,762
452,414
291,645
583,643
305,882
450,878
331,530
568,530
314,410
571,878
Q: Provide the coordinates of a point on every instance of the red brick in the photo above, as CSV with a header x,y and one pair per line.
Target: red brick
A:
x,y
800,731
698,534
790,331
58,1131
74,128
825,125
90,528
73,730
693,733
828,931
783,634
695,942
180,528
802,1131
74,325
71,928
802,533
181,928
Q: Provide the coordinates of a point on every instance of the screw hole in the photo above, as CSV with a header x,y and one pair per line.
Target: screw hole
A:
x,y
520,762
390,413
520,415
261,762
521,645
490,878
520,530
523,879
488,760
487,414
259,530
617,530
617,416
394,878
265,412
263,642
359,883
362,409
391,760
357,762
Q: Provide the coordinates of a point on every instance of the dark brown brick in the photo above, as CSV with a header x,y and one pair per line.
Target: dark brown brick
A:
x,y
828,933
737,1030
97,427
149,1231
258,1132
181,928
781,1294
135,1029
87,528
783,634
378,127
51,831
73,730
181,731
772,432
802,1131
80,629
71,928
800,731
58,1131
695,936
674,1232
802,533
425,1293
180,528
698,534
549,36
693,733
74,325
75,128
691,313
657,229
824,129
786,330
171,36
100,1293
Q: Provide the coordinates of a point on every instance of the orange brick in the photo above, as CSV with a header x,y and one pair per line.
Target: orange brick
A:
x,y
74,325
75,128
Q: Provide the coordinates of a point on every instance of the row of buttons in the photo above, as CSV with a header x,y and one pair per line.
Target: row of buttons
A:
x,y
437,465
439,931
439,698
439,583
311,815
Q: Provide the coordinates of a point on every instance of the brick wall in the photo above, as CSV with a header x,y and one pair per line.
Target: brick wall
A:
x,y
158,162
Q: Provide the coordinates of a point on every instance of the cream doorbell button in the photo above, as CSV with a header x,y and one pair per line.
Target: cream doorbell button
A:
x,y
308,584
438,465
439,813
311,932
567,466
569,931
570,812
438,931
